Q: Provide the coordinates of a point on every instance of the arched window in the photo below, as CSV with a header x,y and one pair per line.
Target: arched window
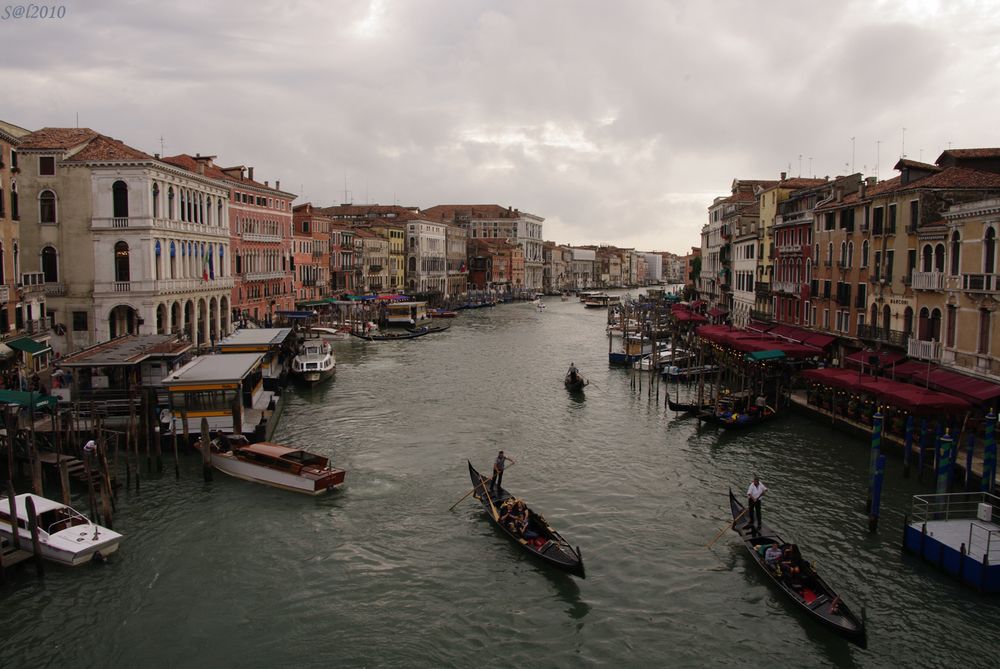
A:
x,y
183,198
121,262
850,254
956,248
46,207
50,265
990,251
119,199
935,325
923,324
156,200
886,320
829,253
413,264
843,253
864,253
927,256
939,258
908,321
952,312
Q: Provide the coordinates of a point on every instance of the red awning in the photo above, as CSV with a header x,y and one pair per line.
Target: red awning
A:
x,y
717,311
689,316
977,390
833,377
921,400
818,339
697,303
759,326
913,370
885,359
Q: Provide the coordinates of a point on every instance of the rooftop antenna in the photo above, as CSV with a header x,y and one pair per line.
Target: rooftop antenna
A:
x,y
78,119
852,155
800,165
878,149
161,145
345,188
902,146
811,166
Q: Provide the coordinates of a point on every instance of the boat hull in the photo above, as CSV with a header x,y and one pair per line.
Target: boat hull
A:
x,y
227,463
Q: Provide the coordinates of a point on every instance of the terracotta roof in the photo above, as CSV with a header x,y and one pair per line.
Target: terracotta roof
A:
x,y
450,212
799,182
190,163
107,148
970,153
914,164
57,138
372,212
957,177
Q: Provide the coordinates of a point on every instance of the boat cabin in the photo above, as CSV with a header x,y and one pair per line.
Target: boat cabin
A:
x,y
276,345
406,313
227,390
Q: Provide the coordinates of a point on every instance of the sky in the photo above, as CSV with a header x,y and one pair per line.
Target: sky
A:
x,y
617,122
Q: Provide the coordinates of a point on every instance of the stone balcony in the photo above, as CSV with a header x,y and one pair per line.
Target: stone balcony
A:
x,y
55,289
163,286
981,283
923,350
788,287
257,237
262,276
928,280
159,224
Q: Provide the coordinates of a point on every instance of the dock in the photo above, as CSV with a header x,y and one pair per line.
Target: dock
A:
x,y
956,532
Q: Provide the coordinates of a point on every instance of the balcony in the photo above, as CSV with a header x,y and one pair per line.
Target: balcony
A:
x,y
161,224
55,289
873,333
762,288
928,280
788,287
924,350
4,293
262,276
759,315
981,283
789,248
257,237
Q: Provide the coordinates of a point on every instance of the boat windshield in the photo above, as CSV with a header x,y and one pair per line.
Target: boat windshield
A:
x,y
60,519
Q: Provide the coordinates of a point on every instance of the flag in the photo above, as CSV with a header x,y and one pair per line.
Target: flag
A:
x,y
204,266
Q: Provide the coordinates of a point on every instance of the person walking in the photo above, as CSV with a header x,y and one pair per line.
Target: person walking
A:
x,y
754,493
498,466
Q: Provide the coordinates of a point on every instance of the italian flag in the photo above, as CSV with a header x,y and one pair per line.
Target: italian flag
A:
x,y
204,266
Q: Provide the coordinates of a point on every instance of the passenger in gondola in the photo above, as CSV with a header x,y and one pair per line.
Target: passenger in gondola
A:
x,y
772,555
508,518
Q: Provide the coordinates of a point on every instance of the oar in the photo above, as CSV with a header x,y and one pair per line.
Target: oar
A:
x,y
477,485
729,526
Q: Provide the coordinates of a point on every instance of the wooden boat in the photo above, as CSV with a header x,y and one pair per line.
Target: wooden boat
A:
x,y
275,465
64,534
811,594
688,407
441,313
678,373
392,336
314,361
429,329
575,382
736,420
549,546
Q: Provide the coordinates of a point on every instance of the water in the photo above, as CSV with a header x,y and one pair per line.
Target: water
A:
x,y
381,573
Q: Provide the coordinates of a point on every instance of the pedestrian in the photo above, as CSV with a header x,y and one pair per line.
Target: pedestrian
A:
x,y
754,493
498,467
90,448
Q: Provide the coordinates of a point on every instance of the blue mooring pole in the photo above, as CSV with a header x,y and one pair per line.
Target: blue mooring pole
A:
x,y
875,452
921,440
971,441
989,452
908,445
876,494
945,443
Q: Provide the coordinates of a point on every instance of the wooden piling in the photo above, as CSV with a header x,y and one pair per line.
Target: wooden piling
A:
x,y
206,452
63,466
36,546
173,432
12,500
36,461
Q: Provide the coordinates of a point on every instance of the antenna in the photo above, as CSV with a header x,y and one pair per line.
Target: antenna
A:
x,y
902,146
852,155
811,166
161,145
78,119
878,149
800,164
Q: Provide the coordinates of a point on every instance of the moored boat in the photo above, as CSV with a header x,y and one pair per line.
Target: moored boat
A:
x,y
275,465
737,420
547,544
441,313
314,361
688,407
64,534
805,588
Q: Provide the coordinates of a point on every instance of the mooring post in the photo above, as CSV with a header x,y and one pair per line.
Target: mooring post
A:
x,y
36,460
36,546
876,448
206,451
876,493
945,443
908,446
921,440
12,500
969,449
63,465
989,453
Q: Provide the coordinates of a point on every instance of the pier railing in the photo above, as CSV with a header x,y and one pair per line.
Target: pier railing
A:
x,y
955,506
983,540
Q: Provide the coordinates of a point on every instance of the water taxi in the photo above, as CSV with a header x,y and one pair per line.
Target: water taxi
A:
x,y
64,534
275,465
314,361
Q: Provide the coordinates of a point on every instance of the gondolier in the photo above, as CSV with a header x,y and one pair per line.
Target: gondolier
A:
x,y
501,463
754,493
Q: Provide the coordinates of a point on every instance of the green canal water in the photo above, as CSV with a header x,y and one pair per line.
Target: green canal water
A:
x,y
382,574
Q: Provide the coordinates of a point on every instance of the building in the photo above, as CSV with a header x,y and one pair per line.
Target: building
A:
x,y
311,253
149,241
374,260
426,256
457,257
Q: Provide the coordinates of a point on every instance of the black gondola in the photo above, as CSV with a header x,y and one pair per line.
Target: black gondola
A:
x,y
428,329
406,334
575,382
688,408
548,545
736,420
810,592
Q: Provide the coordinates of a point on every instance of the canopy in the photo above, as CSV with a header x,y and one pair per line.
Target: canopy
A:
x,y
295,314
759,326
904,395
884,358
766,355
977,390
25,399
28,345
689,316
913,370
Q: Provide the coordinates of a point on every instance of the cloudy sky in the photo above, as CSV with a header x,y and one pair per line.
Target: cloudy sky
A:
x,y
617,122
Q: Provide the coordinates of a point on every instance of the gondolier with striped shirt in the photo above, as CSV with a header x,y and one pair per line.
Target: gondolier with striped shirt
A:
x,y
754,493
498,467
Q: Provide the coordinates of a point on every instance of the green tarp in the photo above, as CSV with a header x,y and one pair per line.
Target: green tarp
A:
x,y
765,355
24,399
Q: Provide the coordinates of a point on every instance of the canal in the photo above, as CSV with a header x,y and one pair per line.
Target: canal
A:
x,y
382,574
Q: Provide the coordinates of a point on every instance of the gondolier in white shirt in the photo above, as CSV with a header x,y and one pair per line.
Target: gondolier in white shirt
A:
x,y
754,493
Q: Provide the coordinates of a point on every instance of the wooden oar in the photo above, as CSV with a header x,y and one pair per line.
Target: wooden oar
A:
x,y
477,485
727,527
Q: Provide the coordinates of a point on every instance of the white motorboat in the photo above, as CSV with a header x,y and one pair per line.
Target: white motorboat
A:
x,y
314,361
330,332
64,534
275,465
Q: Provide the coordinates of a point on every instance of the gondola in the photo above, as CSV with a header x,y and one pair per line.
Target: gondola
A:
x,y
736,420
387,336
812,594
428,329
688,408
575,382
549,546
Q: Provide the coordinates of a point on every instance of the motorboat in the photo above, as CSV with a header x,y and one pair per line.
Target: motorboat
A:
x,y
275,465
64,534
314,361
330,332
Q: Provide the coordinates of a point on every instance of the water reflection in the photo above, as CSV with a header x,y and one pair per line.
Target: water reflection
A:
x,y
568,590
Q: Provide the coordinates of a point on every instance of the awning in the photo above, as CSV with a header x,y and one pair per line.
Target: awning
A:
x,y
689,317
766,355
913,370
295,314
25,399
977,390
904,395
697,303
28,345
5,351
311,303
717,311
759,326
884,359
818,339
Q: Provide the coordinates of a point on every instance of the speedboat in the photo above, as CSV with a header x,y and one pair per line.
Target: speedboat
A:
x,y
275,465
64,534
314,361
330,333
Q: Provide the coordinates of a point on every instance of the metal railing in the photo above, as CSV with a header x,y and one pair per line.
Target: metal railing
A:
x,y
984,540
981,283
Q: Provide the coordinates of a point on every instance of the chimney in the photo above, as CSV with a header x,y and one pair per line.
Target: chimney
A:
x,y
838,193
861,190
250,173
871,180
156,155
266,185
277,185
783,175
201,167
